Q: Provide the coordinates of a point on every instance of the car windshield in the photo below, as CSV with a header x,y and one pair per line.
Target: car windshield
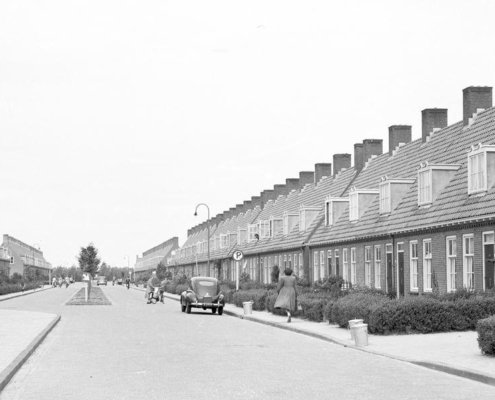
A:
x,y
205,287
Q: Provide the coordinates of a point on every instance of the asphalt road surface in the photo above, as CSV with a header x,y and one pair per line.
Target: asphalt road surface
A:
x,y
132,350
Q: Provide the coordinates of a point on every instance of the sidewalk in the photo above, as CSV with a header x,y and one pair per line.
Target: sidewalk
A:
x,y
26,292
20,333
456,353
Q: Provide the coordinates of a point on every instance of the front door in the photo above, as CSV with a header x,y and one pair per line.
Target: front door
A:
x,y
489,267
390,274
400,265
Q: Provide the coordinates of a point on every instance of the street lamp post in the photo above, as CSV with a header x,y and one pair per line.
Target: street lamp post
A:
x,y
208,228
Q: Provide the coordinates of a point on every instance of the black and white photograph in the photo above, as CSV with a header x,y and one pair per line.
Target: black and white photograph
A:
x,y
224,199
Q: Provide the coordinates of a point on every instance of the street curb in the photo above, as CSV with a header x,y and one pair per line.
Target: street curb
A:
x,y
463,373
7,374
20,294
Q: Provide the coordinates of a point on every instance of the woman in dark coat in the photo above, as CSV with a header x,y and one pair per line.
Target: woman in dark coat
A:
x,y
287,293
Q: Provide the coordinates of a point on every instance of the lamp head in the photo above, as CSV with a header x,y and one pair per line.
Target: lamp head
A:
x,y
195,214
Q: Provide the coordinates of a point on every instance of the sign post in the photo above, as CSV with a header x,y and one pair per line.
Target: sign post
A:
x,y
237,256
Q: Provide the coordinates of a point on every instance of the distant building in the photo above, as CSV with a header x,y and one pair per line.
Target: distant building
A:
x,y
415,219
152,257
19,257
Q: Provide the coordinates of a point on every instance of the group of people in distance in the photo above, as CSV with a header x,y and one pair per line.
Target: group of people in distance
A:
x,y
61,281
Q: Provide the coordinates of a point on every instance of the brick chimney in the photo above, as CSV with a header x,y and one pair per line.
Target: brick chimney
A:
x,y
306,177
398,134
292,184
358,156
475,97
267,195
321,170
239,208
279,190
256,201
432,118
340,162
372,147
246,206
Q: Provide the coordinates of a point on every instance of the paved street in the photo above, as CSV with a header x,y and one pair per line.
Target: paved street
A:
x,y
132,350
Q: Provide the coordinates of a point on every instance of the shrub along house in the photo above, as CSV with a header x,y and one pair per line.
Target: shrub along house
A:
x,y
421,218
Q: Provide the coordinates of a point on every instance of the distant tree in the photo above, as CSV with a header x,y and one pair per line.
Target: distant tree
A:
x,y
88,259
162,272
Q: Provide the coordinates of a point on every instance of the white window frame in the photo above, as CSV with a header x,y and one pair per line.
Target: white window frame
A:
x,y
413,266
425,188
353,266
385,197
367,265
353,206
485,242
315,266
252,231
264,229
329,262
327,213
427,265
378,266
478,168
450,258
345,265
468,261
322,264
301,269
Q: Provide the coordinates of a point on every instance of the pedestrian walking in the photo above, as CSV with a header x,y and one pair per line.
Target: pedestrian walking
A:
x,y
286,289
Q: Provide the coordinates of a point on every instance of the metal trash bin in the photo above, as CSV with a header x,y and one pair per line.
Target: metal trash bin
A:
x,y
360,334
248,307
353,322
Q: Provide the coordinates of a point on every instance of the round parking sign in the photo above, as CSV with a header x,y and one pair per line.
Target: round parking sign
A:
x,y
237,256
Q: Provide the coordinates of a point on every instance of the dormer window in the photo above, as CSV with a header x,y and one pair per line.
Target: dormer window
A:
x,y
276,226
290,220
253,234
224,241
391,192
481,168
264,229
334,208
359,200
241,236
432,179
306,216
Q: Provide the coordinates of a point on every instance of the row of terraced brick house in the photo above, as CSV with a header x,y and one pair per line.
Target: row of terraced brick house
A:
x,y
413,219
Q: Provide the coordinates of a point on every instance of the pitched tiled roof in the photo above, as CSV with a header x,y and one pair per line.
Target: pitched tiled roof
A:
x,y
447,146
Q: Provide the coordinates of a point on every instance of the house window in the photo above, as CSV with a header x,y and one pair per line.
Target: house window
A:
x,y
345,263
353,265
413,263
353,206
424,187
385,198
329,261
327,213
322,265
285,261
477,181
252,232
367,266
301,269
378,267
468,261
427,256
289,261
264,229
451,246
296,266
224,241
315,266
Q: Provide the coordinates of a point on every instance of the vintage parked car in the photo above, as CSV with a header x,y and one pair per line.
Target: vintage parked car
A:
x,y
120,281
204,293
101,281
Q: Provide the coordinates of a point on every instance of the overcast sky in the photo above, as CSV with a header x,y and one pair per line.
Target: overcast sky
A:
x,y
118,117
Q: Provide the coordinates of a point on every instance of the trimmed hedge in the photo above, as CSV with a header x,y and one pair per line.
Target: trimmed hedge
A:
x,y
354,305
257,296
6,288
426,314
313,306
486,335
270,304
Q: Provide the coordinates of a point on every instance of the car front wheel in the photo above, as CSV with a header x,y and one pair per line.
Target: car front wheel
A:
x,y
188,309
220,310
213,310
